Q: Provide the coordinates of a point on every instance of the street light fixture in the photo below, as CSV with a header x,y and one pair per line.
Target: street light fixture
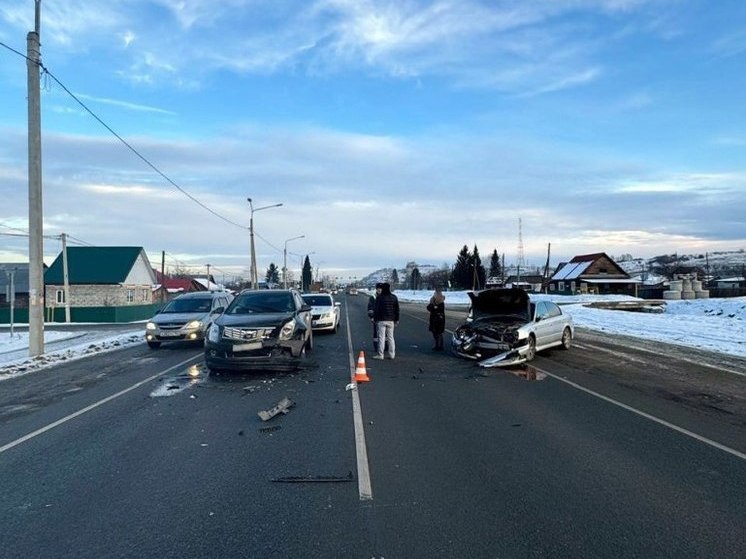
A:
x,y
285,261
252,270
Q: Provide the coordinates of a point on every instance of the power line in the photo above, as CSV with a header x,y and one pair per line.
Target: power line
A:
x,y
137,153
127,144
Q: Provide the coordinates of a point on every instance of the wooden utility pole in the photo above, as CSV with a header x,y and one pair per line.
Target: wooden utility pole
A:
x,y
36,228
163,276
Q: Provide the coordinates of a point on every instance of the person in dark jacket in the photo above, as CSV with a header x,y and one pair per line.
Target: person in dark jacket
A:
x,y
437,323
386,316
371,309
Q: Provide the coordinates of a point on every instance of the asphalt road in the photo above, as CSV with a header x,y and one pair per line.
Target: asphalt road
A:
x,y
617,449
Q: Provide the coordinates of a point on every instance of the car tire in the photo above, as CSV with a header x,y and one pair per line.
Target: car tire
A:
x,y
531,353
154,345
566,339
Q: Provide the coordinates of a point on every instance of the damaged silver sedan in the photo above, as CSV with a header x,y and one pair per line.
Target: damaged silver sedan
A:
x,y
505,327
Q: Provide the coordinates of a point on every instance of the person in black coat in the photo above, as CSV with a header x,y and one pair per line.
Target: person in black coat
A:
x,y
386,316
371,309
437,323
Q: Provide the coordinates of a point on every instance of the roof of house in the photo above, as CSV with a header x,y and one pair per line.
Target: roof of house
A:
x,y
178,284
94,265
578,266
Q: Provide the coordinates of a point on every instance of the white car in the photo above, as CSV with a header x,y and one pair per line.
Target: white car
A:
x,y
504,327
324,311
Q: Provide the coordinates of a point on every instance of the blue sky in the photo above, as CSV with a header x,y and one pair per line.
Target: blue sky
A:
x,y
390,131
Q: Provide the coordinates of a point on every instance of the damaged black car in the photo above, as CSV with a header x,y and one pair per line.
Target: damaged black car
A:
x,y
505,327
260,330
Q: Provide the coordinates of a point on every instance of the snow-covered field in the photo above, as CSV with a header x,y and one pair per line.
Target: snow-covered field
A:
x,y
717,325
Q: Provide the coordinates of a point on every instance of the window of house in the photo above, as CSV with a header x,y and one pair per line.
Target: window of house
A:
x,y
130,295
552,287
60,297
561,286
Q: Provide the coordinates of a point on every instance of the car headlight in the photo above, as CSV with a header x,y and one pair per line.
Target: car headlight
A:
x,y
194,325
326,315
213,333
286,332
150,326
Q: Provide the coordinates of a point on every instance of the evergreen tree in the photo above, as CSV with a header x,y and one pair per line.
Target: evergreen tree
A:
x,y
477,272
307,274
495,271
461,276
273,274
415,279
394,278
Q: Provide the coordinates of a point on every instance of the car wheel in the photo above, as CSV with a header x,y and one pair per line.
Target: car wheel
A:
x,y
566,339
531,353
154,345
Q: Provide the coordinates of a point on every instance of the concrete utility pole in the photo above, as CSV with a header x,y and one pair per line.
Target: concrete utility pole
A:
x,y
36,232
285,261
252,270
65,278
11,297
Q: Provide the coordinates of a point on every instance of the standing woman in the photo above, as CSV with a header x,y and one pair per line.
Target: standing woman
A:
x,y
437,309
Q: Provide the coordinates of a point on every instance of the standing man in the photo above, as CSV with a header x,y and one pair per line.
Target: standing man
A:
x,y
371,310
386,316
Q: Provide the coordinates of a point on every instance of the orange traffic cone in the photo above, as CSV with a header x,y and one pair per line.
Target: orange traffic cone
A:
x,y
361,375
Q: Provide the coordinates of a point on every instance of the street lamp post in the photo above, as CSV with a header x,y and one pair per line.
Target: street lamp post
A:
x,y
252,270
285,261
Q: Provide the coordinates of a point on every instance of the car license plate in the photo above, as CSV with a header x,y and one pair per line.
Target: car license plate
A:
x,y
170,334
247,347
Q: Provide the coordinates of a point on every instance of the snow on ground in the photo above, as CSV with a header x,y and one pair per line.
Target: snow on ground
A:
x,y
717,325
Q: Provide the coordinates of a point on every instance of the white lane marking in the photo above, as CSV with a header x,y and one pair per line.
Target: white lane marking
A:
x,y
363,470
91,407
658,420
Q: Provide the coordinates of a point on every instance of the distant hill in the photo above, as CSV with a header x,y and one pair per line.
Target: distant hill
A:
x,y
716,264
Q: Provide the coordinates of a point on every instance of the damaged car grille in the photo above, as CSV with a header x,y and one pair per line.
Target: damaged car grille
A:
x,y
247,334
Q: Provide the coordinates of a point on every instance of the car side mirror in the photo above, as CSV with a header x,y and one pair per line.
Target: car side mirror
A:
x,y
305,307
337,304
219,310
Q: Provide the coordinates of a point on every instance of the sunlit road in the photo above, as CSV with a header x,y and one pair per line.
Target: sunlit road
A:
x,y
611,452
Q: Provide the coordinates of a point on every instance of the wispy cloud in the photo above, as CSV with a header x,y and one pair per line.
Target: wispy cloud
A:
x,y
125,104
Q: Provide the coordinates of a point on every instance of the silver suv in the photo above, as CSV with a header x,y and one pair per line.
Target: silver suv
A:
x,y
186,317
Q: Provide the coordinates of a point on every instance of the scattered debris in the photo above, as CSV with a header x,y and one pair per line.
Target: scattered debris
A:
x,y
351,386
270,429
283,406
314,479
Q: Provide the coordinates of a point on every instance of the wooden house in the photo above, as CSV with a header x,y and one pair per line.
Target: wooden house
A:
x,y
592,273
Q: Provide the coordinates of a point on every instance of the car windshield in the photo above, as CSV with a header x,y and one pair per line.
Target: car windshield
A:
x,y
318,300
262,302
188,305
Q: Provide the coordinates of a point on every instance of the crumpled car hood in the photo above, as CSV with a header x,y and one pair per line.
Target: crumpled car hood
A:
x,y
500,302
